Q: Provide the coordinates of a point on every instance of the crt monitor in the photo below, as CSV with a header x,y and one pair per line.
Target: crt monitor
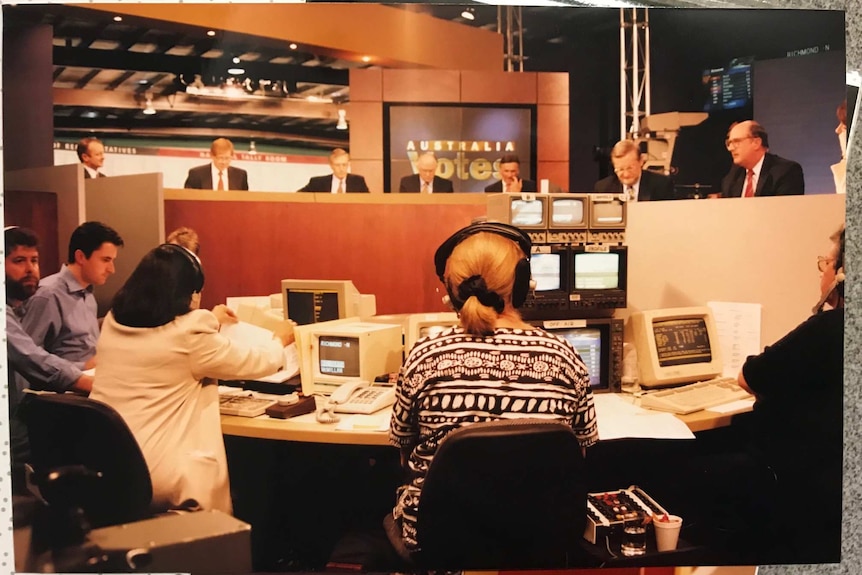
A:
x,y
607,211
676,346
420,325
599,342
569,211
312,301
549,268
336,352
599,276
526,211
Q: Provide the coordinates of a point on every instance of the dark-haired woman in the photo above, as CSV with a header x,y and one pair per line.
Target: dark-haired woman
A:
x,y
154,349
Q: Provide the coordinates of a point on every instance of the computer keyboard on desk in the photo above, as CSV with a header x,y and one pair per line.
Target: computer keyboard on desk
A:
x,y
695,396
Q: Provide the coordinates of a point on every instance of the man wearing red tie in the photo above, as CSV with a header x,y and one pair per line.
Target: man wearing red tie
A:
x,y
756,172
218,175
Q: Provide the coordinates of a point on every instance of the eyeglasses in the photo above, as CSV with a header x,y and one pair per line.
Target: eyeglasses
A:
x,y
626,169
823,263
732,143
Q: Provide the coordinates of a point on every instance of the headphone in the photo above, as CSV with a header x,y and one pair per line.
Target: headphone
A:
x,y
193,260
522,284
839,277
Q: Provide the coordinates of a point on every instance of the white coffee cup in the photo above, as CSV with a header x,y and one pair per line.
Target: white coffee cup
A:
x,y
667,532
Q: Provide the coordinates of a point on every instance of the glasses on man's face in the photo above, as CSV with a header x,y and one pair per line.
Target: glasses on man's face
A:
x,y
824,263
625,169
734,142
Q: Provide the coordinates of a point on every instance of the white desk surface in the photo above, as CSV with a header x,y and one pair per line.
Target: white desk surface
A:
x,y
306,429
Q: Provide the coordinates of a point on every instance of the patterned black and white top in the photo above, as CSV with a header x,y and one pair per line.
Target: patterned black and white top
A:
x,y
454,379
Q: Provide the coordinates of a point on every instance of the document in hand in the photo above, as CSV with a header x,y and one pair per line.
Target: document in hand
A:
x,y
253,335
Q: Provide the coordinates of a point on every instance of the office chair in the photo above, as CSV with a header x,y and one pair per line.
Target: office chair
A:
x,y
504,494
85,458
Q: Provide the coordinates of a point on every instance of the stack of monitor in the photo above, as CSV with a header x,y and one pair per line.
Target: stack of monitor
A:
x,y
575,218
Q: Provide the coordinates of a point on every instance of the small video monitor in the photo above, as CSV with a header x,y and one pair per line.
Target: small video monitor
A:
x,y
599,276
422,325
607,211
313,301
528,211
676,346
569,218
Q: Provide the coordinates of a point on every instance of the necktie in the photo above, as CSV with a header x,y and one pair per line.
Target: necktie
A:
x,y
220,182
425,189
340,189
630,194
749,185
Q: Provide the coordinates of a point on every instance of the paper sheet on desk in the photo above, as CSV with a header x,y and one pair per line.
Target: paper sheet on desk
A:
x,y
373,422
738,326
252,334
619,419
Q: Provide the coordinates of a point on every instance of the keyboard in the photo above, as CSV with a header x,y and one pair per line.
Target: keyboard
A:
x,y
695,396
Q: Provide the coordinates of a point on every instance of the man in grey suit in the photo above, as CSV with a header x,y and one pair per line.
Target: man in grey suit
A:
x,y
630,178
756,172
339,181
91,153
426,181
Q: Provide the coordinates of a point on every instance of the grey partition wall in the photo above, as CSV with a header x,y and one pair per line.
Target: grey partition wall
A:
x,y
134,206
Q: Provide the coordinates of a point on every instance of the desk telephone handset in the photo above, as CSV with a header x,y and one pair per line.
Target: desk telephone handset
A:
x,y
356,397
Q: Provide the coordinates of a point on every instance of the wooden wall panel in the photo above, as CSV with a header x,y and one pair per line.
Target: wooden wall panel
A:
x,y
421,85
386,248
552,88
365,120
37,211
552,133
372,171
557,172
498,87
366,85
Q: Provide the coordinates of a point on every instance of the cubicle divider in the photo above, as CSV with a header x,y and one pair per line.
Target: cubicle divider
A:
x,y
680,253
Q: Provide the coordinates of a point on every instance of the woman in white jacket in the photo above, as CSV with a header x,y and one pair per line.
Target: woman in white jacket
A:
x,y
155,350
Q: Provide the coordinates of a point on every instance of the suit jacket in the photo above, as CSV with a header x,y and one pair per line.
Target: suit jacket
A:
x,y
87,175
411,184
778,177
653,186
201,178
526,186
353,183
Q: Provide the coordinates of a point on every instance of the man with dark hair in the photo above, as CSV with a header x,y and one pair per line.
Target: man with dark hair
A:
x,y
756,172
91,153
29,364
510,177
630,178
61,316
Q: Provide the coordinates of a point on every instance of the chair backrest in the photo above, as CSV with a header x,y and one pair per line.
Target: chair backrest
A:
x,y
504,494
67,430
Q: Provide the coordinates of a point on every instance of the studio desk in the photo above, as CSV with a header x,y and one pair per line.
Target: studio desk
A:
x,y
305,428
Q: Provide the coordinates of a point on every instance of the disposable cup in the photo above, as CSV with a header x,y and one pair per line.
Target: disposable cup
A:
x,y
667,532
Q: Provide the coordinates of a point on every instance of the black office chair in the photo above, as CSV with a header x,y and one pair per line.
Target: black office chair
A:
x,y
85,457
504,494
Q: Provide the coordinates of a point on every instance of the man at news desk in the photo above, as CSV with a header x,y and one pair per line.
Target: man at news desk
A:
x,y
426,181
510,174
755,171
630,178
339,181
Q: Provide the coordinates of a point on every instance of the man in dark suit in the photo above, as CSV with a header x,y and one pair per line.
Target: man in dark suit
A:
x,y
91,153
630,178
756,172
339,182
426,181
510,174
218,175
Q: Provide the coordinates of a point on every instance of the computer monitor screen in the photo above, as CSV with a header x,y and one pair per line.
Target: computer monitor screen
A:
x,y
605,214
676,346
527,212
335,352
313,301
421,325
599,342
545,269
599,271
338,355
568,212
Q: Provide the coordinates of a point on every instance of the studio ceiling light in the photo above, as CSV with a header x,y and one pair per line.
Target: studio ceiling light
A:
x,y
342,120
149,110
468,14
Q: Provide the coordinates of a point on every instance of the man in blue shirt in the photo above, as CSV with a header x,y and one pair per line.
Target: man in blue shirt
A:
x,y
29,364
61,316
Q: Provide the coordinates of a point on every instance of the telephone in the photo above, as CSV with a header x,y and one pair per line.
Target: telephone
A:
x,y
356,397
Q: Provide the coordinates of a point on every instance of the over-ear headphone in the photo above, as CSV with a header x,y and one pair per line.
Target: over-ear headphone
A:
x,y
522,284
839,278
193,260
